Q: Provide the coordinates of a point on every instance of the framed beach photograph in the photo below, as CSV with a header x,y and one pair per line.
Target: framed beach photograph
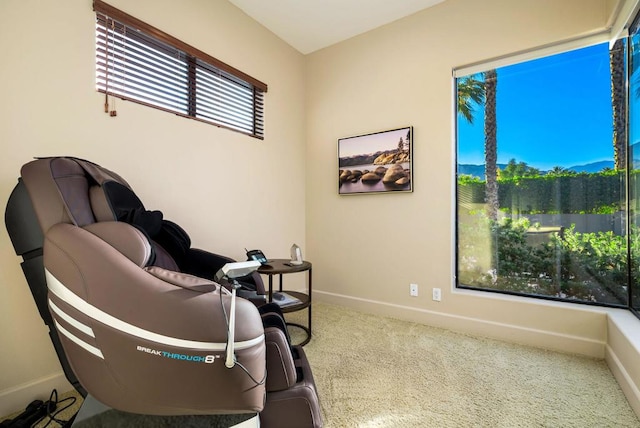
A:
x,y
380,162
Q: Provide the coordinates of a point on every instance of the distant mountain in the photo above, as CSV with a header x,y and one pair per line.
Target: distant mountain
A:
x,y
592,167
478,170
475,170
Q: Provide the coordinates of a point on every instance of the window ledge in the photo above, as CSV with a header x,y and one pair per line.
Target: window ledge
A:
x,y
628,325
623,353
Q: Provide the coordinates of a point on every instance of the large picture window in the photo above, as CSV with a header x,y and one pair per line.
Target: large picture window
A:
x,y
542,178
137,62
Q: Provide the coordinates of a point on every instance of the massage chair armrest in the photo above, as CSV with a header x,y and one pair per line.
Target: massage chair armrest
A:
x,y
183,280
202,259
281,369
205,264
257,280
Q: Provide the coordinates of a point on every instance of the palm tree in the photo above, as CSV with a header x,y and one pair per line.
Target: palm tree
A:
x,y
470,93
616,64
557,170
491,143
473,91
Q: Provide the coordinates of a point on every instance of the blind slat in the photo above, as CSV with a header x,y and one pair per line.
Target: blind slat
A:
x,y
162,74
144,66
229,91
100,7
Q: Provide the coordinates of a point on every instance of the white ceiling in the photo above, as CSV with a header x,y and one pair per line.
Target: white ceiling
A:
x,y
309,25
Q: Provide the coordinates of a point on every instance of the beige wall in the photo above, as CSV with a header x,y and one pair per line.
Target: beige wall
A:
x,y
229,191
366,249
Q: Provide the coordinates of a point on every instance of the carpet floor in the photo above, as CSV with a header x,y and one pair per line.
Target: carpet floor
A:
x,y
377,372
372,371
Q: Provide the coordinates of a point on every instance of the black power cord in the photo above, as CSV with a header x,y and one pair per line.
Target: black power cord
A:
x,y
52,413
34,412
37,411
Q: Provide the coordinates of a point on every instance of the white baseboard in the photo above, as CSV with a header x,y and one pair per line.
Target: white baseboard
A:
x,y
627,384
17,398
623,354
511,333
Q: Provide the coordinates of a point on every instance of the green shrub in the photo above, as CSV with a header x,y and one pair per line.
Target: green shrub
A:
x,y
565,192
598,258
572,265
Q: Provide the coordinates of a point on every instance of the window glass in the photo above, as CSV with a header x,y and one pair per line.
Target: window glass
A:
x,y
540,187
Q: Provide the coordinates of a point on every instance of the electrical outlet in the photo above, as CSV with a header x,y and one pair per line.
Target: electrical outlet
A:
x,y
413,290
437,294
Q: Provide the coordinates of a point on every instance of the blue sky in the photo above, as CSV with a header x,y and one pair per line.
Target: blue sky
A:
x,y
371,143
553,111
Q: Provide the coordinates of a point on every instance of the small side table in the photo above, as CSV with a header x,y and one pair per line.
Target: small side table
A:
x,y
282,267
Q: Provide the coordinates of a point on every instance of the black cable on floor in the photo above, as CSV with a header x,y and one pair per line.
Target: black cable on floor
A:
x,y
52,413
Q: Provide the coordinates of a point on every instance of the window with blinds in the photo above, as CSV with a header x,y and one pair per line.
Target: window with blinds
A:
x,y
139,63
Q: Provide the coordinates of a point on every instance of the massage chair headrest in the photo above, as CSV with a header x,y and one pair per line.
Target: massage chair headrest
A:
x,y
79,192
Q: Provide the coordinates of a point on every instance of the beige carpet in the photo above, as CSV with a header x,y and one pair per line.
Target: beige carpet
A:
x,y
379,372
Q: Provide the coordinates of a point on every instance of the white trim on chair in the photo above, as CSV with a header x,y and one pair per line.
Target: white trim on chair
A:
x,y
72,321
66,295
75,339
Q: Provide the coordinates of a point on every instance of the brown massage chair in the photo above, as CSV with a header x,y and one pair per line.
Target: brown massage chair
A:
x,y
138,318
